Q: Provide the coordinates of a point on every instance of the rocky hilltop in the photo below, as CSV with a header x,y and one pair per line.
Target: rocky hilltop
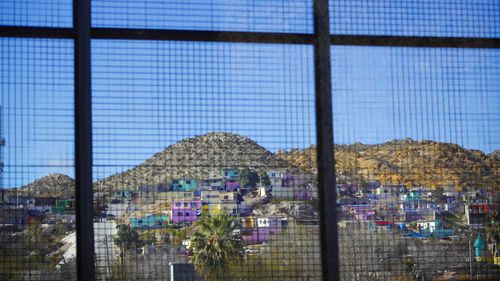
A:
x,y
55,185
409,162
198,158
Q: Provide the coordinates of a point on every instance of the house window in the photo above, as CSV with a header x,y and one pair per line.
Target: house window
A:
x,y
187,214
179,214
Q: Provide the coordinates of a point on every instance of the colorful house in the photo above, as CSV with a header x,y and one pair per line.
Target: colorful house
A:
x,y
287,180
224,207
215,197
185,210
275,178
149,221
64,206
147,194
212,184
477,213
302,194
361,212
42,204
231,174
184,185
123,195
258,230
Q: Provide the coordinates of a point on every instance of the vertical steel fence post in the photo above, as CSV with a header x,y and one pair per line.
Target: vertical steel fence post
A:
x,y
83,143
326,168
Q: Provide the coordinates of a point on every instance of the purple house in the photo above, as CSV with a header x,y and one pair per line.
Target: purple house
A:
x,y
359,211
232,185
259,230
303,194
287,180
185,210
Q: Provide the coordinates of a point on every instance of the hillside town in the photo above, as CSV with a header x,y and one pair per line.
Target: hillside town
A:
x,y
414,213
145,217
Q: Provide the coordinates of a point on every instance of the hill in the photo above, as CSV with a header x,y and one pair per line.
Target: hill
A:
x,y
199,157
52,185
409,162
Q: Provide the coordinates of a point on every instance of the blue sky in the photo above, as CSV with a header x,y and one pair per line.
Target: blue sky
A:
x,y
148,95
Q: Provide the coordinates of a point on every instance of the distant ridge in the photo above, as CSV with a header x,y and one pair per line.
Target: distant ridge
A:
x,y
52,185
408,162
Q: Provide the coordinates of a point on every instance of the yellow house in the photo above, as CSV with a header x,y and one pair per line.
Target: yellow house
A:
x,y
223,207
215,197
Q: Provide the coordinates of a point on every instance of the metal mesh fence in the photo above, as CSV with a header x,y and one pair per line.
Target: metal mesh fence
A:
x,y
205,162
290,16
191,144
416,134
42,13
434,18
37,197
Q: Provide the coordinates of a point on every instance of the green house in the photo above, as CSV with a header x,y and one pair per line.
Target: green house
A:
x,y
64,206
149,221
184,185
123,195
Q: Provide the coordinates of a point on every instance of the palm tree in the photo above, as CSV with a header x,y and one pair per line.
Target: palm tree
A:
x,y
215,246
493,231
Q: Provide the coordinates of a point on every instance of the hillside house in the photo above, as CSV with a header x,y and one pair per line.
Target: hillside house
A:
x,y
231,174
477,213
212,184
347,189
18,200
64,206
123,195
13,216
361,212
41,204
287,180
215,197
258,230
304,194
223,207
185,210
414,208
147,194
275,178
149,221
282,192
184,185
390,189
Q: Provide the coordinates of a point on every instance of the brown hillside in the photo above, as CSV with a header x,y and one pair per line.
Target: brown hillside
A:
x,y
409,162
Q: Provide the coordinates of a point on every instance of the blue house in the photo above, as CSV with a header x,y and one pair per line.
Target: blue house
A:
x,y
184,185
149,221
231,174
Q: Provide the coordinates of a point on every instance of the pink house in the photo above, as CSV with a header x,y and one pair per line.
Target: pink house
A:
x,y
185,210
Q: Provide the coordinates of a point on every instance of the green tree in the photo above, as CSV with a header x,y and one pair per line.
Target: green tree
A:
x,y
249,178
493,230
127,238
215,246
264,179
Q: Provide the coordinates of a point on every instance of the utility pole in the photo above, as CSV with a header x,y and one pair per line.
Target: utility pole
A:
x,y
107,256
470,257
